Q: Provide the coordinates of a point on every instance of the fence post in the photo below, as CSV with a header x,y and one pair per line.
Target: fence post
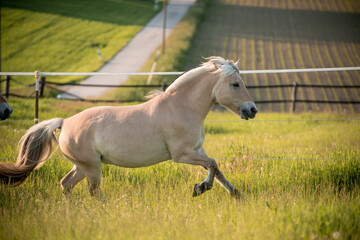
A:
x,y
36,119
42,86
7,86
294,91
163,86
153,68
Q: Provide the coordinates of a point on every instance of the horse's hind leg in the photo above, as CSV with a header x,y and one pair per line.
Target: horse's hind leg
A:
x,y
71,179
87,164
91,171
79,148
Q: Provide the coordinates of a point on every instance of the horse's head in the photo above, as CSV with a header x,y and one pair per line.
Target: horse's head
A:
x,y
5,109
230,89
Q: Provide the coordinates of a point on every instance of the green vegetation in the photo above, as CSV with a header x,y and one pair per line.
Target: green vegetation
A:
x,y
299,180
62,36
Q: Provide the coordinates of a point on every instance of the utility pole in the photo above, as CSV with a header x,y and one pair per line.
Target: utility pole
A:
x,y
164,25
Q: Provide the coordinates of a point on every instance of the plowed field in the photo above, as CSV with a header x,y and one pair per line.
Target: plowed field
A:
x,y
282,34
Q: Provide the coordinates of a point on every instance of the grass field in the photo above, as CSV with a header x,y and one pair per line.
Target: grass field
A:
x,y
299,180
61,36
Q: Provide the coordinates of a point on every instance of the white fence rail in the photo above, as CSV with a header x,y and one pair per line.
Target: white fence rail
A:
x,y
39,74
174,73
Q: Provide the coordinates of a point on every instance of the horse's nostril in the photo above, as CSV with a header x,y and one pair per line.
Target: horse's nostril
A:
x,y
7,112
253,110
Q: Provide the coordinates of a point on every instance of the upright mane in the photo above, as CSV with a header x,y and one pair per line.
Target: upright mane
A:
x,y
214,65
222,66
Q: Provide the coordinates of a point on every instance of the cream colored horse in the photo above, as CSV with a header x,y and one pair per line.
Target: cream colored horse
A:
x,y
169,126
5,108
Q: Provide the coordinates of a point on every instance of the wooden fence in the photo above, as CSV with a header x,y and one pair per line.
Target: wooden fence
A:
x,y
293,100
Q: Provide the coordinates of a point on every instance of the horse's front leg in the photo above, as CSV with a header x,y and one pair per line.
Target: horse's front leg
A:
x,y
222,180
190,156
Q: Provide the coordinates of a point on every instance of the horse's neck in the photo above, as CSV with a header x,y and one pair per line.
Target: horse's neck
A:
x,y
197,93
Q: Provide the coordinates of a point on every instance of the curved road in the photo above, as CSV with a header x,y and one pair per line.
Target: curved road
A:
x,y
134,54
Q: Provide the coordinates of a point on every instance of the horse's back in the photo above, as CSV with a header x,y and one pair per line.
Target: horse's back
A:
x,y
125,136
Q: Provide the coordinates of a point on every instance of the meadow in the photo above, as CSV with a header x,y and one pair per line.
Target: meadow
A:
x,y
298,179
63,36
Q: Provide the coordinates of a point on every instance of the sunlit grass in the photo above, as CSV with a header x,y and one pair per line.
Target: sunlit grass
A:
x,y
63,36
298,179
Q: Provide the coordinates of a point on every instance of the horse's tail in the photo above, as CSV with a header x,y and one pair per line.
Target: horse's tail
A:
x,y
35,149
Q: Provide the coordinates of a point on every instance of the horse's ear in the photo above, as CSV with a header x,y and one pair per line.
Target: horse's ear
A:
x,y
237,63
216,66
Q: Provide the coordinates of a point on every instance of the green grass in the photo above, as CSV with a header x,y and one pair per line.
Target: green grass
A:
x,y
299,180
57,36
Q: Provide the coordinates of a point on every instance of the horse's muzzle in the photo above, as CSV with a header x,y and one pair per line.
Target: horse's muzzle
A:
x,y
5,113
248,110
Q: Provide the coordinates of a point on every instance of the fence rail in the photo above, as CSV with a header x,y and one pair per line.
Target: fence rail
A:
x,y
295,86
41,83
268,71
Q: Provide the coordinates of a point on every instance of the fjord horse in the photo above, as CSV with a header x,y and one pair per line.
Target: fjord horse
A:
x,y
5,108
168,126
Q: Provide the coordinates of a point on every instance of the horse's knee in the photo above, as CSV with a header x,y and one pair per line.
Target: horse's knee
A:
x,y
212,165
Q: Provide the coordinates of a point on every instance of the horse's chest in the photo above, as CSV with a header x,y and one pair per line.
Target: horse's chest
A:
x,y
199,142
196,138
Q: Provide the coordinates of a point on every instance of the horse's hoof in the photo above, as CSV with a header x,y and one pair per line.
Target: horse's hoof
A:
x,y
236,194
199,189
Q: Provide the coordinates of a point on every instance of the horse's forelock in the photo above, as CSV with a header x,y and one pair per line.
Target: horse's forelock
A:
x,y
220,65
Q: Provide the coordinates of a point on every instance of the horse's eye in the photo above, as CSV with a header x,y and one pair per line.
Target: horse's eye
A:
x,y
235,84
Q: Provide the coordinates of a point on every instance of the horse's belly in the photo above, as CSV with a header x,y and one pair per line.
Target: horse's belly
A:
x,y
136,156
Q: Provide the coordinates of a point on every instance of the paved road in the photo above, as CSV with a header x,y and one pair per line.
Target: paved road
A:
x,y
134,54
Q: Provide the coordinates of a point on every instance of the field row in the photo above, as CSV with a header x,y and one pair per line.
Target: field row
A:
x,y
287,34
